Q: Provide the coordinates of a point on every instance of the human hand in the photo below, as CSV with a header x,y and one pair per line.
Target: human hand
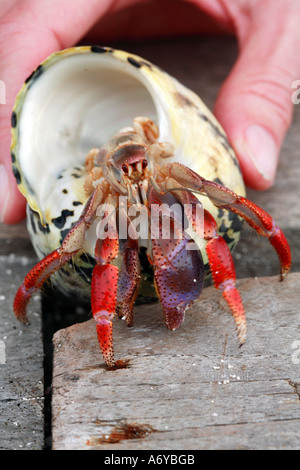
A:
x,y
257,92
255,103
30,31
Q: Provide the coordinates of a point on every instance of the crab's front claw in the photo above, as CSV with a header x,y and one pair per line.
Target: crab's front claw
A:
x,y
219,258
177,263
178,281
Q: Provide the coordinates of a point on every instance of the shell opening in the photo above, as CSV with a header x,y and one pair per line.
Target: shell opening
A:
x,y
77,104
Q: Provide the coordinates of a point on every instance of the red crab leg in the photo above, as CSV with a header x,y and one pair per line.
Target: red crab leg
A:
x,y
129,279
224,198
223,273
104,291
72,243
178,270
35,279
112,290
129,274
103,301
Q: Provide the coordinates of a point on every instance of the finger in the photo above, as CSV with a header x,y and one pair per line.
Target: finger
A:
x,y
151,19
255,105
30,31
6,5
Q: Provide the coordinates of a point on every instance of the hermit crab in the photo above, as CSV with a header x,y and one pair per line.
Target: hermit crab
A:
x,y
110,152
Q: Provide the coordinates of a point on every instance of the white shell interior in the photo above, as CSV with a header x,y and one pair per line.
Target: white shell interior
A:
x,y
77,104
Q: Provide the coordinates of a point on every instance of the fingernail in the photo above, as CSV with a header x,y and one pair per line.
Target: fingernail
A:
x,y
262,150
4,192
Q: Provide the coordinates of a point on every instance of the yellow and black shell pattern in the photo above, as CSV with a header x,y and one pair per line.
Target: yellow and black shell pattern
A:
x,y
76,100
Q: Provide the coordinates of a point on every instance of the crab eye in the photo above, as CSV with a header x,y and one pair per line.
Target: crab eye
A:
x,y
144,164
125,168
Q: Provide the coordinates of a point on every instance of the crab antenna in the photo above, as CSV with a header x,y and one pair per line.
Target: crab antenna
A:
x,y
186,189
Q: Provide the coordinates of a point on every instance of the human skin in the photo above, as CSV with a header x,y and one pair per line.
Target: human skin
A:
x,y
254,104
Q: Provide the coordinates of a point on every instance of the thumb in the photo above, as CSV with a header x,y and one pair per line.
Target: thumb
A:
x,y
255,103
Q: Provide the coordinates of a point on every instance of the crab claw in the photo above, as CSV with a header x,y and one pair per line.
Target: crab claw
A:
x,y
219,258
177,263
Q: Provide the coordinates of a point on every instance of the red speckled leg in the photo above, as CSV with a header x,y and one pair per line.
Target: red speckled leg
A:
x,y
103,299
72,243
224,198
129,274
35,279
129,280
223,273
104,293
112,290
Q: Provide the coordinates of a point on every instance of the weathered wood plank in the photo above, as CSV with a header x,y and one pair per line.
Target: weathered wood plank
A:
x,y
21,350
189,389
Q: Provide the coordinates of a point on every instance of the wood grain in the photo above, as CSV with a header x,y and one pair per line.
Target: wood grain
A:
x,y
188,389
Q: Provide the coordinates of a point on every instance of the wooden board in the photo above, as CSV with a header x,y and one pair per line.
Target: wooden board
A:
x,y
188,389
21,350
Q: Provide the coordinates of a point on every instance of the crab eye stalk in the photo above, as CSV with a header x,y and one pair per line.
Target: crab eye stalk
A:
x,y
125,168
